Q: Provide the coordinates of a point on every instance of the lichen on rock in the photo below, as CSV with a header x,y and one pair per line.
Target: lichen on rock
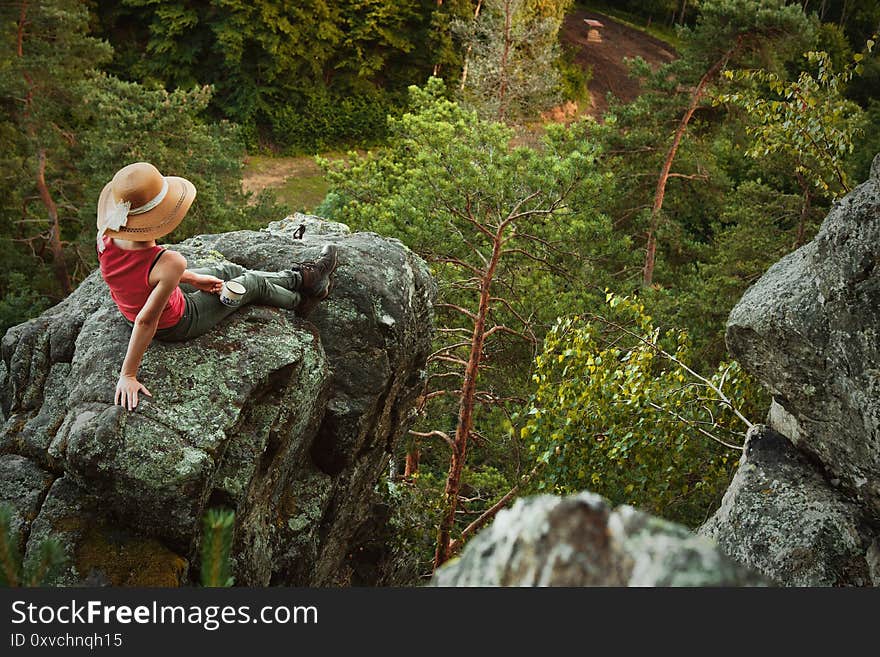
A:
x,y
782,518
804,506
273,416
580,540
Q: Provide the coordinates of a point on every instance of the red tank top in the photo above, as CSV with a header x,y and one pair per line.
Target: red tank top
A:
x,y
127,275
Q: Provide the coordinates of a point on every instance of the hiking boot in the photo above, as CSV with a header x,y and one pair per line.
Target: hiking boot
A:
x,y
316,280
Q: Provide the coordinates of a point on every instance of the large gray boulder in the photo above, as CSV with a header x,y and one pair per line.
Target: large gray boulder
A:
x,y
23,486
804,509
580,541
781,517
288,422
809,329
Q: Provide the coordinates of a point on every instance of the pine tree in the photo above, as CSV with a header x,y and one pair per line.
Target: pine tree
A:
x,y
511,50
727,32
41,86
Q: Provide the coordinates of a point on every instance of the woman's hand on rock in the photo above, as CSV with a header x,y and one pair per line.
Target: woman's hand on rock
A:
x,y
210,284
127,389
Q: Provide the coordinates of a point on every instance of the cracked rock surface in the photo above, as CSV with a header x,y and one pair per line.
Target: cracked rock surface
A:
x,y
288,422
780,517
580,540
805,509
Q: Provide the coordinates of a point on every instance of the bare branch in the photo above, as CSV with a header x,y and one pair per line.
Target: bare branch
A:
x,y
455,261
515,213
435,432
685,176
436,393
526,323
491,512
694,176
454,330
531,256
449,347
452,306
449,359
694,425
441,375
554,206
504,329
722,397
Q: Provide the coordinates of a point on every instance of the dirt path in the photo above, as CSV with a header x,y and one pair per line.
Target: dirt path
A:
x,y
610,73
299,182
262,172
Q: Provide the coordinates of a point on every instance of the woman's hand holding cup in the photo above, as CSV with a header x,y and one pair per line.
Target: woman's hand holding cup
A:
x,y
210,284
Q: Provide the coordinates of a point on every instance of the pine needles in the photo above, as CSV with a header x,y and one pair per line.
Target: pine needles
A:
x,y
38,571
216,546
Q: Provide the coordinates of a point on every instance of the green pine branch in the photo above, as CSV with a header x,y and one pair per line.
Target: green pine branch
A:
x,y
219,525
10,560
38,572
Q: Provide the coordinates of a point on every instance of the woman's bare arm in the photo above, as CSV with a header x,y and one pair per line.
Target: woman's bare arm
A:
x,y
168,270
202,282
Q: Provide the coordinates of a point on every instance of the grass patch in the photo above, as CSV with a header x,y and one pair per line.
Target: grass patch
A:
x,y
298,182
302,194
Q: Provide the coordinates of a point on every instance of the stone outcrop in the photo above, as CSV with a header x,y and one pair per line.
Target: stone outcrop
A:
x,y
23,487
288,422
781,518
804,506
809,330
580,541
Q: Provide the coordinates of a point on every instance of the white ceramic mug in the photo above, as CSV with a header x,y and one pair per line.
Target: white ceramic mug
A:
x,y
232,293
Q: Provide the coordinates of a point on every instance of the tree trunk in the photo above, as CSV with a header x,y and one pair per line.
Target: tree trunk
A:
x,y
843,13
467,54
466,409
22,21
436,69
59,265
660,193
683,10
412,462
505,55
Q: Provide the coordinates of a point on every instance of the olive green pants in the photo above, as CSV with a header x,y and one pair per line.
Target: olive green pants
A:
x,y
204,310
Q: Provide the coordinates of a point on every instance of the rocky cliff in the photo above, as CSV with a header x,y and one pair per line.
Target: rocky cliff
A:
x,y
581,541
804,508
288,422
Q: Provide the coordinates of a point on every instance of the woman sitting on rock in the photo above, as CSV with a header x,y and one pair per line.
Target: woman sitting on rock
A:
x,y
134,209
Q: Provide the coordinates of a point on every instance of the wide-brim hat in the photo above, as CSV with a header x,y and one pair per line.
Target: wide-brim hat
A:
x,y
140,204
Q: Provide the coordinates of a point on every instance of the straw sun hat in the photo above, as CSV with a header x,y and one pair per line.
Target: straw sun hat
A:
x,y
140,204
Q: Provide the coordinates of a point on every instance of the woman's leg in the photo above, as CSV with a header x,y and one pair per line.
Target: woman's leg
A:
x,y
287,278
205,310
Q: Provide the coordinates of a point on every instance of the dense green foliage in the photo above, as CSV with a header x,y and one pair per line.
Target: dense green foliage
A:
x,y
782,116
808,120
39,569
511,57
44,62
298,75
446,170
452,187
616,409
218,527
84,125
727,217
